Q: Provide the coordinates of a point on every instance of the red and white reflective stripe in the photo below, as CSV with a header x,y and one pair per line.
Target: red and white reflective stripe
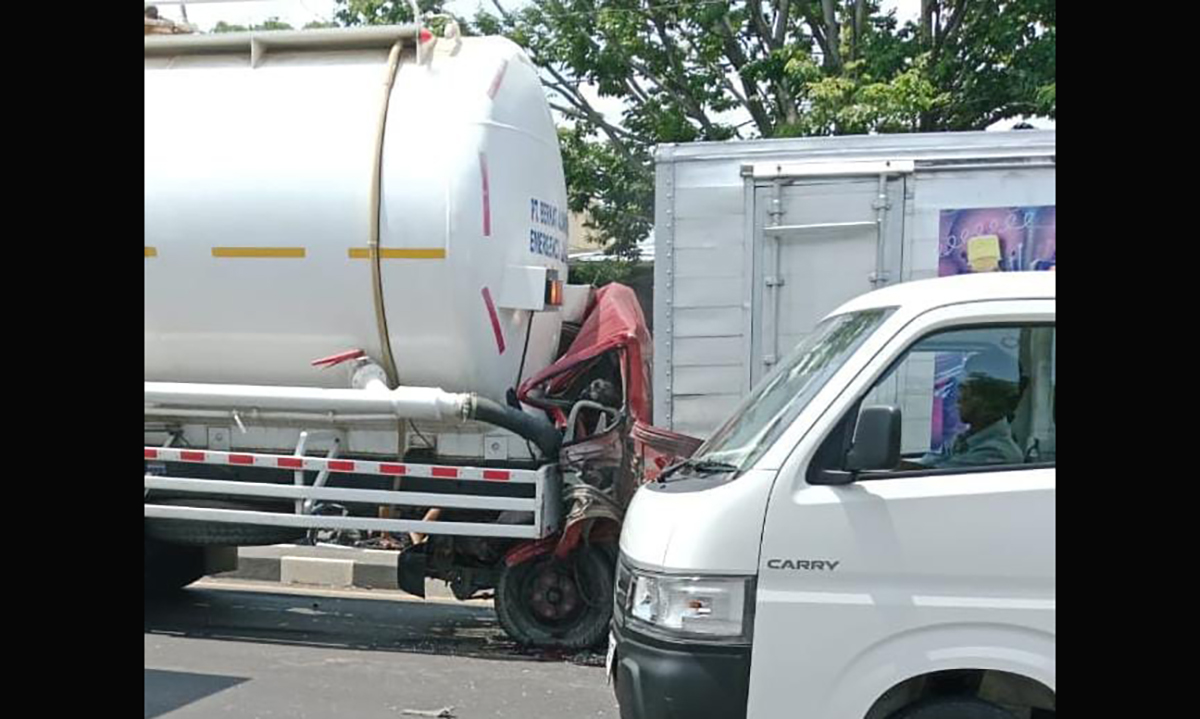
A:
x,y
495,86
357,466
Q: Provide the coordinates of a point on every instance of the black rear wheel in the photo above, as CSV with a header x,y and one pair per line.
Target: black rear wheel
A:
x,y
548,602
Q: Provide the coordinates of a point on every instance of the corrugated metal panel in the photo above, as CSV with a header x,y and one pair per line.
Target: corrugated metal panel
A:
x,y
710,351
698,415
709,292
708,322
709,272
707,380
708,232
709,261
714,173
707,352
722,201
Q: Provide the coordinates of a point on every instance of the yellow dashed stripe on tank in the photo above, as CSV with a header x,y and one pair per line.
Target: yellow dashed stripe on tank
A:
x,y
408,253
271,252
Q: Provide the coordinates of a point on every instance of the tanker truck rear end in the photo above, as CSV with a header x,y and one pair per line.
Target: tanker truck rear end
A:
x,y
355,245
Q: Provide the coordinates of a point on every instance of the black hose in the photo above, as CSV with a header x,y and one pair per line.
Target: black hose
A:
x,y
511,395
538,430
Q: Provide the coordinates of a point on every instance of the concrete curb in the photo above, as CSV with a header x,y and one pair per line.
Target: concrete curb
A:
x,y
323,566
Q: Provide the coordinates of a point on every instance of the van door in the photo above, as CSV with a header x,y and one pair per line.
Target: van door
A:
x,y
946,560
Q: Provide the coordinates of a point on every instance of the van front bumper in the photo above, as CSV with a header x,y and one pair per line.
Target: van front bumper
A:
x,y
659,680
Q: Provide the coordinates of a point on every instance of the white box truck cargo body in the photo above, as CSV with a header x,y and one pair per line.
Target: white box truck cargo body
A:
x,y
757,240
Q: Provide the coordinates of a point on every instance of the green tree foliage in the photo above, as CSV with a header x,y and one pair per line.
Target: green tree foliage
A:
x,y
382,12
601,272
271,23
223,26
695,70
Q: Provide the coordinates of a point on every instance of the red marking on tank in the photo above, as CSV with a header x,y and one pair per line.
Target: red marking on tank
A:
x,y
425,35
191,456
338,358
338,465
491,308
495,87
290,462
497,474
449,472
152,454
389,468
241,459
487,199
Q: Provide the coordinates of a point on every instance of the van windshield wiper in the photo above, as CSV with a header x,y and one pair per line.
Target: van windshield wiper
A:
x,y
702,466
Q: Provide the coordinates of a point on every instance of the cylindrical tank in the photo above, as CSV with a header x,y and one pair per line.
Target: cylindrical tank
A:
x,y
259,156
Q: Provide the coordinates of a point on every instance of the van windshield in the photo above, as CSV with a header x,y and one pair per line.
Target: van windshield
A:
x,y
782,395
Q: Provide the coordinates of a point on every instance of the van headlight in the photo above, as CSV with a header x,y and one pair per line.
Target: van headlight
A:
x,y
691,607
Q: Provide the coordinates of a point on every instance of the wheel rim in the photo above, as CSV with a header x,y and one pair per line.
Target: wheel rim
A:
x,y
552,594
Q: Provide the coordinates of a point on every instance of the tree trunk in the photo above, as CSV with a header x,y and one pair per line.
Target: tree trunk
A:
x,y
860,18
737,58
781,22
927,9
833,59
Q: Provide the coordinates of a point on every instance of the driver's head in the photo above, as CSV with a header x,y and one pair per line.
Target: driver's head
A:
x,y
984,399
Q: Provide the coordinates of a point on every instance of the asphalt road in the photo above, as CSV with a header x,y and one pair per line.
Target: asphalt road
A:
x,y
247,649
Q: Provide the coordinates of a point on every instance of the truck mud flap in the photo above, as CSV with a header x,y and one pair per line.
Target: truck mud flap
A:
x,y
410,570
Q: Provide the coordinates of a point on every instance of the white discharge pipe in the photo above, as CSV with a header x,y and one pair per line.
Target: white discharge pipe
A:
x,y
426,403
257,416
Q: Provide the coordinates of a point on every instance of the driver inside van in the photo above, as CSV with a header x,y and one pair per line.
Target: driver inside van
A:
x,y
984,404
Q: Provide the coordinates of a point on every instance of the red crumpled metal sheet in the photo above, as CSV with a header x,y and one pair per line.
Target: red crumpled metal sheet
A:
x,y
613,322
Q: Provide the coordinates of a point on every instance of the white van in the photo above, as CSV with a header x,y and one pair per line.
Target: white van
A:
x,y
871,534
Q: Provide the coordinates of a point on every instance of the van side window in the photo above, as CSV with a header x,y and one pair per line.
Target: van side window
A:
x,y
973,398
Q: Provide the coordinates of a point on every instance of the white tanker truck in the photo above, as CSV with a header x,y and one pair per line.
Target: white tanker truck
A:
x,y
356,319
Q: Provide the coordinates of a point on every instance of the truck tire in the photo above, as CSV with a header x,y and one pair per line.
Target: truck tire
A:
x,y
192,533
953,708
546,602
168,568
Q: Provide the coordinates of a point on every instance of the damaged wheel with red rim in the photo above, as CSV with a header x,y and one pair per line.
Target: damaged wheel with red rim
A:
x,y
548,602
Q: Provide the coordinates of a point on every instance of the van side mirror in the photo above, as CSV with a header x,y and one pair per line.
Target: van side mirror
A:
x,y
876,446
876,440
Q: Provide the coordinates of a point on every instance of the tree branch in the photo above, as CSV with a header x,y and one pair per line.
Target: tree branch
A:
x,y
731,87
860,16
754,9
738,59
679,95
572,95
503,12
946,36
926,30
832,31
580,115
636,90
818,31
785,103
683,95
781,22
